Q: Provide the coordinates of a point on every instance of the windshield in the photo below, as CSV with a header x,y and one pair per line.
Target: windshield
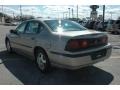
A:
x,y
111,21
118,22
64,25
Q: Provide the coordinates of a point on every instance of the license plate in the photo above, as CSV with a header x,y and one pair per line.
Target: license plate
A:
x,y
98,54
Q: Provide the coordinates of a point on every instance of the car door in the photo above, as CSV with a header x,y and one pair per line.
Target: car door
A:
x,y
29,37
16,38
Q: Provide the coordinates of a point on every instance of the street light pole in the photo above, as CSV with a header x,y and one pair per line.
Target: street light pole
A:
x,y
2,8
13,16
32,12
103,16
20,12
69,12
63,15
77,12
72,12
111,14
66,15
3,17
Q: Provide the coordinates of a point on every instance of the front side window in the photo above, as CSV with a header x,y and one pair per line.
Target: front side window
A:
x,y
66,25
21,27
32,27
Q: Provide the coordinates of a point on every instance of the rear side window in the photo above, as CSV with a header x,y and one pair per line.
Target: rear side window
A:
x,y
32,27
106,22
41,27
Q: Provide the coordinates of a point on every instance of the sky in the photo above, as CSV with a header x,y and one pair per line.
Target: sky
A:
x,y
55,11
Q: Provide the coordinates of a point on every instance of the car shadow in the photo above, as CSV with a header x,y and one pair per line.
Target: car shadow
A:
x,y
27,72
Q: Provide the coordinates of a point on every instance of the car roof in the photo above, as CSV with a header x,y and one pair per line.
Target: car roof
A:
x,y
45,19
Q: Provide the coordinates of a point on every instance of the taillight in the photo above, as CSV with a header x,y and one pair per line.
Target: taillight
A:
x,y
83,44
75,44
105,40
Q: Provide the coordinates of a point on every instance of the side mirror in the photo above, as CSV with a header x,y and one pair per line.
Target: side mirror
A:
x,y
13,31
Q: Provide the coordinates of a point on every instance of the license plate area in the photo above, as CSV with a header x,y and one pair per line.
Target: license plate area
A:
x,y
98,54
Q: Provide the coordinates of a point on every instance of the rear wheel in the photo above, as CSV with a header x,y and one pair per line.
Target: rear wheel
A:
x,y
115,33
42,61
8,46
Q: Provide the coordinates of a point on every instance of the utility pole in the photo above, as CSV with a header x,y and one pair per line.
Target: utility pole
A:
x,y
103,16
69,12
77,12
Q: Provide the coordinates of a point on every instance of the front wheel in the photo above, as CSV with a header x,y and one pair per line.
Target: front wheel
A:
x,y
42,61
8,46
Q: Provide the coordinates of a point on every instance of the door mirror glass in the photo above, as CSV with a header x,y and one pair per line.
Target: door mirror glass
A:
x,y
13,31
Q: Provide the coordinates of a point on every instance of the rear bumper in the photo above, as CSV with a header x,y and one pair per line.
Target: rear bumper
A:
x,y
76,61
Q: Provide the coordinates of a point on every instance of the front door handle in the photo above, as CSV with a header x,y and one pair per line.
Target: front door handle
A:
x,y
32,38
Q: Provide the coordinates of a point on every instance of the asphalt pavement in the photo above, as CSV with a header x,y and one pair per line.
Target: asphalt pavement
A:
x,y
16,69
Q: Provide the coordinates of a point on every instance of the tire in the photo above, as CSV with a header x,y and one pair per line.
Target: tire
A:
x,y
115,32
8,46
42,61
112,32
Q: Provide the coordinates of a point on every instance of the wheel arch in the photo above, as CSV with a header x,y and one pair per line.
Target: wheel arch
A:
x,y
6,38
37,48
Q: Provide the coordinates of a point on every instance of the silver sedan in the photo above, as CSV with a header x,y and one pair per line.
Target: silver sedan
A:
x,y
62,43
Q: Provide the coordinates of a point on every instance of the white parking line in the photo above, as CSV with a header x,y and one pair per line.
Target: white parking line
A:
x,y
115,57
116,46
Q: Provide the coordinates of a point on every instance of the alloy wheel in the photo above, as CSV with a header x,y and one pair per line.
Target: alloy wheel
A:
x,y
41,60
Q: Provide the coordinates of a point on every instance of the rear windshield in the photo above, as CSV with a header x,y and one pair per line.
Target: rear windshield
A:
x,y
111,21
65,25
105,22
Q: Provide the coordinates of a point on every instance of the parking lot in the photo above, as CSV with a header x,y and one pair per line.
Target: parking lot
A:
x,y
16,69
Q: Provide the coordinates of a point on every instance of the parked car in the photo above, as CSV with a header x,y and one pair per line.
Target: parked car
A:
x,y
84,23
105,25
90,24
99,25
12,24
109,27
95,27
62,43
116,27
15,23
